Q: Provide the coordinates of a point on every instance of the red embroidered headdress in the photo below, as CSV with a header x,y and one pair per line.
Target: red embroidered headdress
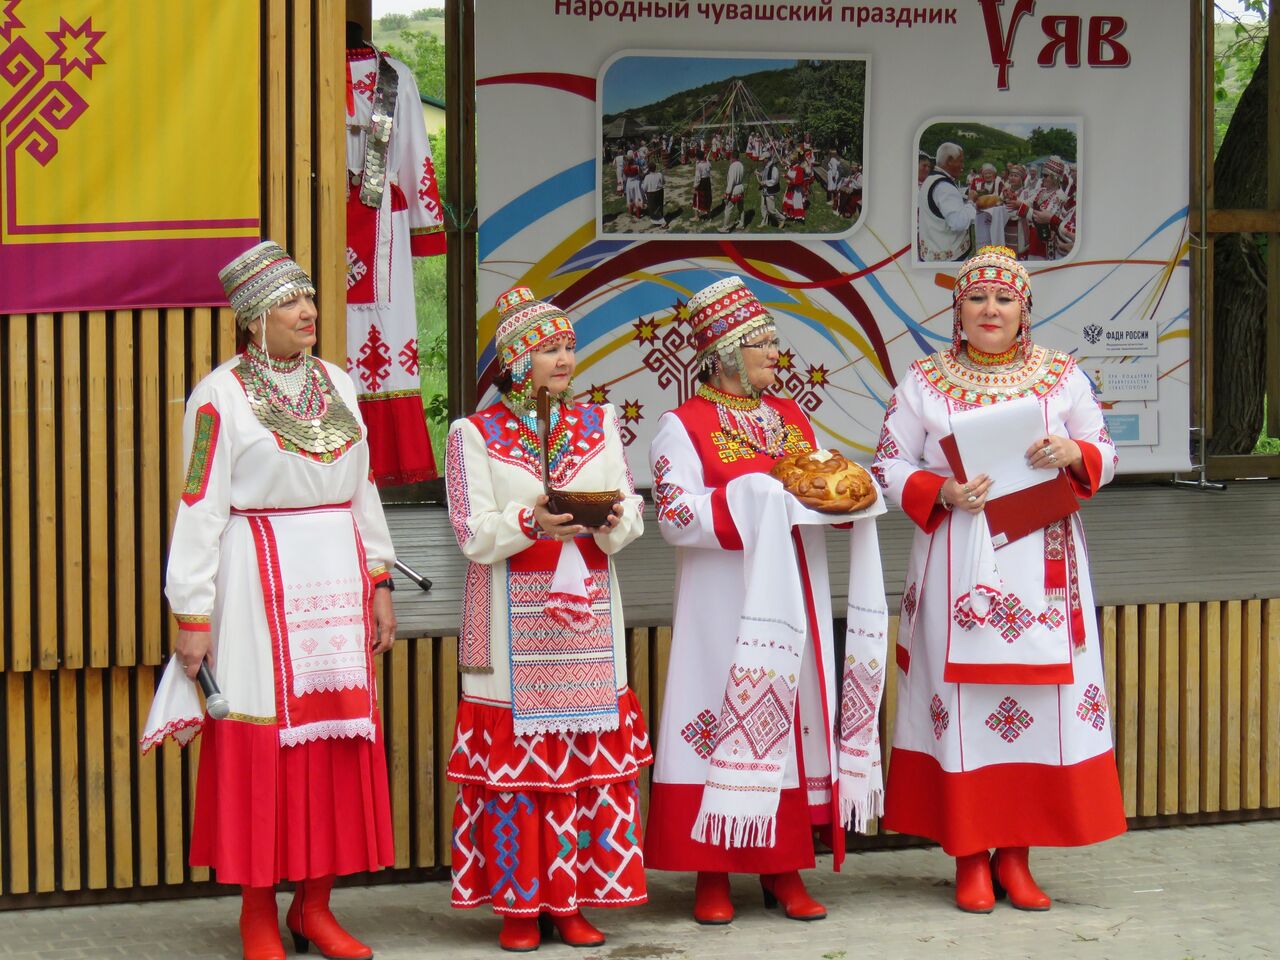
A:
x,y
525,322
723,315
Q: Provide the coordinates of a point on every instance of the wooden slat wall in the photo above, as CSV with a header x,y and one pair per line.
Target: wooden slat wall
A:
x,y
1194,690
90,469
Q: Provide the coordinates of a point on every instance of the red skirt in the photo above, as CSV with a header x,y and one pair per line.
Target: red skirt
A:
x,y
1004,804
673,807
547,823
266,813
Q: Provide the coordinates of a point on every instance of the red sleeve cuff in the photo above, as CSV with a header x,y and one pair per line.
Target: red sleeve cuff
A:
x,y
196,623
920,500
379,573
427,244
527,526
1091,460
722,521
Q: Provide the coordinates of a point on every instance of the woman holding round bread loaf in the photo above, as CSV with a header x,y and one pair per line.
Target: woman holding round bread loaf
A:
x,y
550,738
1002,738
747,765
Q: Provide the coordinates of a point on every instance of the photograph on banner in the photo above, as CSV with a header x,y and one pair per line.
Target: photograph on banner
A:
x,y
727,143
1009,181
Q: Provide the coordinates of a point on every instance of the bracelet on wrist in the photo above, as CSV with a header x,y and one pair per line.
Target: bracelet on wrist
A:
x,y
386,584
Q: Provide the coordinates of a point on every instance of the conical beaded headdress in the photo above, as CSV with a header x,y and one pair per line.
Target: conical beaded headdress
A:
x,y
260,278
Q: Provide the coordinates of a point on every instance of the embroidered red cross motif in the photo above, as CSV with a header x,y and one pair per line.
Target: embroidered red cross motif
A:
x,y
1010,720
374,361
700,733
1093,707
409,356
1010,617
938,716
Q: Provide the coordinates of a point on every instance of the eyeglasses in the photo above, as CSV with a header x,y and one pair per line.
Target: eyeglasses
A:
x,y
764,345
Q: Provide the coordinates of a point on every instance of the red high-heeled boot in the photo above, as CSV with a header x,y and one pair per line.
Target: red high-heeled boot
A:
x,y
259,924
788,889
1012,872
310,921
711,903
973,883
519,934
574,929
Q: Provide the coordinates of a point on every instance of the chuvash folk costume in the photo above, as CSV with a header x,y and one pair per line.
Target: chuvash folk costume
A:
x,y
747,763
550,739
278,545
393,215
1002,737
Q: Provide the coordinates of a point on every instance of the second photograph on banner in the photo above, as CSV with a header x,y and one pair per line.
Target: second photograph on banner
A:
x,y
1012,181
735,144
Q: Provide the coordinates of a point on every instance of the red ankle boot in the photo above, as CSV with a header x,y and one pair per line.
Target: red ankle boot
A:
x,y
519,934
310,921
259,924
788,889
711,903
973,883
1012,873
574,930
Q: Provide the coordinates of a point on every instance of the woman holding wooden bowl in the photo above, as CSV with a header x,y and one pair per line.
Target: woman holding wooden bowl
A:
x,y
550,739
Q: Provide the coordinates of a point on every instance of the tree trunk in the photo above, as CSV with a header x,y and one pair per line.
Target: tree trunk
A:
x,y
1239,277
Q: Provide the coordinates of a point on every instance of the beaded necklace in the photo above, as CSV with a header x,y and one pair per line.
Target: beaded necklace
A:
x,y
557,436
289,385
750,418
980,358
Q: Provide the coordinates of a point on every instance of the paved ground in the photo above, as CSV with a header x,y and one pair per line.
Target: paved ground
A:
x,y
1204,892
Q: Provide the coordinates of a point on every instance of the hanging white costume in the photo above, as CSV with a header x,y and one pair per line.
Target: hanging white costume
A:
x,y
393,215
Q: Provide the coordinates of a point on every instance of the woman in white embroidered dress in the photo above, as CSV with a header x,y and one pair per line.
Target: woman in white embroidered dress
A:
x,y
278,547
550,739
742,781
1012,750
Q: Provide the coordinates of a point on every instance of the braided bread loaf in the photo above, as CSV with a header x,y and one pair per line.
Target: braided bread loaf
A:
x,y
824,480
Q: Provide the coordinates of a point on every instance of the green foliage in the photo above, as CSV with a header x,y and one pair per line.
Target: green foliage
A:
x,y
393,21
984,144
1238,48
830,102
1056,141
423,53
775,90
1266,444
429,13
430,288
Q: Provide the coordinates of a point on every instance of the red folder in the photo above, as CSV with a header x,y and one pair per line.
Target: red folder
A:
x,y
1015,515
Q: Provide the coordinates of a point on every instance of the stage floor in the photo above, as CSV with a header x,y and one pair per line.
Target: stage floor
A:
x,y
1147,544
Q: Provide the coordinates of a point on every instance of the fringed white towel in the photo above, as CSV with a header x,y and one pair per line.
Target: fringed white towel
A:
x,y
754,733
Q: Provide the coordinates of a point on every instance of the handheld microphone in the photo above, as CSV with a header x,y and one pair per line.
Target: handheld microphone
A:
x,y
214,701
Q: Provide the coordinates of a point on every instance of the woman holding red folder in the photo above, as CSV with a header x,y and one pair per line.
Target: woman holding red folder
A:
x,y
1002,740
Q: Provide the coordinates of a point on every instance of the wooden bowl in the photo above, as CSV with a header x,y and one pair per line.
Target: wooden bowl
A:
x,y
590,508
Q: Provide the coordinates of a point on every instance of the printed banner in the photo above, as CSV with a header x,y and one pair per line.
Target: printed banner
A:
x,y
129,151
842,158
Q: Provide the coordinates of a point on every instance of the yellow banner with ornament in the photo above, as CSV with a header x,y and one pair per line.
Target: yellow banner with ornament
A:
x,y
129,150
